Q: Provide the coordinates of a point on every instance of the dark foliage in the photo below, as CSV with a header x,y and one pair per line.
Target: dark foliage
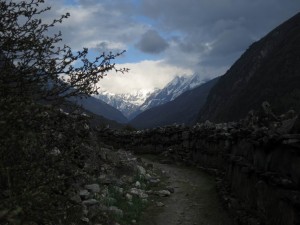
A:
x,y
36,64
42,148
42,153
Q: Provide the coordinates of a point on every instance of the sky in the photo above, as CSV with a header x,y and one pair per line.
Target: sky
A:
x,y
167,38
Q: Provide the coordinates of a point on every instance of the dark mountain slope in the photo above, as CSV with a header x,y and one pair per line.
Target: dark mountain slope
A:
x,y
95,120
100,108
183,109
268,71
90,103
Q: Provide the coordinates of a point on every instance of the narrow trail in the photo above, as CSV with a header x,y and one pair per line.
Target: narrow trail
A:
x,y
194,202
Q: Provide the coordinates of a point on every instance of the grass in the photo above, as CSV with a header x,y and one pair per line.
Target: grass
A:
x,y
131,209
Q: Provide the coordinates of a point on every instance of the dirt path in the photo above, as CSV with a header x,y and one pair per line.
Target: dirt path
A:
x,y
194,201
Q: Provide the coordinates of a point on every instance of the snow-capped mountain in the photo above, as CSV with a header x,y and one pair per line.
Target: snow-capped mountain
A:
x,y
127,103
132,104
171,91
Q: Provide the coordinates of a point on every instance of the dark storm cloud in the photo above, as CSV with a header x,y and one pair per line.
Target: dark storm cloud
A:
x,y
107,47
218,31
205,36
152,42
94,23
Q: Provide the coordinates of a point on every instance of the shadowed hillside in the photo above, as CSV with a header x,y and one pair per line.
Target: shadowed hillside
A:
x,y
100,108
268,71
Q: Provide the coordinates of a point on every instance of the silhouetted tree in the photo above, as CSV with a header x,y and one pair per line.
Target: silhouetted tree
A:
x,y
41,148
35,64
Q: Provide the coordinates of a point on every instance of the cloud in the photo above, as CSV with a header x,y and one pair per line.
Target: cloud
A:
x,y
94,23
214,33
143,75
195,36
108,46
152,42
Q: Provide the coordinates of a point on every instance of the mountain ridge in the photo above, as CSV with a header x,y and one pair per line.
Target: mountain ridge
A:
x,y
269,70
183,109
172,90
99,108
132,104
127,103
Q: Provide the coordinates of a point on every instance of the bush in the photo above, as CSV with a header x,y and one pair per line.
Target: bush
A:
x,y
43,149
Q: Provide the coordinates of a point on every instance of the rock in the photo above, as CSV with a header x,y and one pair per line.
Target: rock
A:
x,y
208,124
149,166
253,221
130,203
171,189
150,192
291,139
105,192
102,176
148,176
185,135
126,179
138,192
84,194
86,127
55,151
291,136
100,207
116,211
166,161
119,189
163,193
160,204
90,202
141,170
76,198
94,188
84,219
138,184
154,181
287,125
85,211
111,200
128,197
106,181
103,153
133,221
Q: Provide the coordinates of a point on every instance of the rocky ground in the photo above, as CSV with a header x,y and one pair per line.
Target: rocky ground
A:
x,y
126,187
134,190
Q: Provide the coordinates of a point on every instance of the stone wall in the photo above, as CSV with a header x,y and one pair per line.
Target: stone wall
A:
x,y
258,160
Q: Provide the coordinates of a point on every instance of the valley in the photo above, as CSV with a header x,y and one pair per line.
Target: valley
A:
x,y
200,129
250,81
133,104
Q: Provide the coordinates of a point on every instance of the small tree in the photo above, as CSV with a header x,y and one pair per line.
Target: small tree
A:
x,y
33,62
41,148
